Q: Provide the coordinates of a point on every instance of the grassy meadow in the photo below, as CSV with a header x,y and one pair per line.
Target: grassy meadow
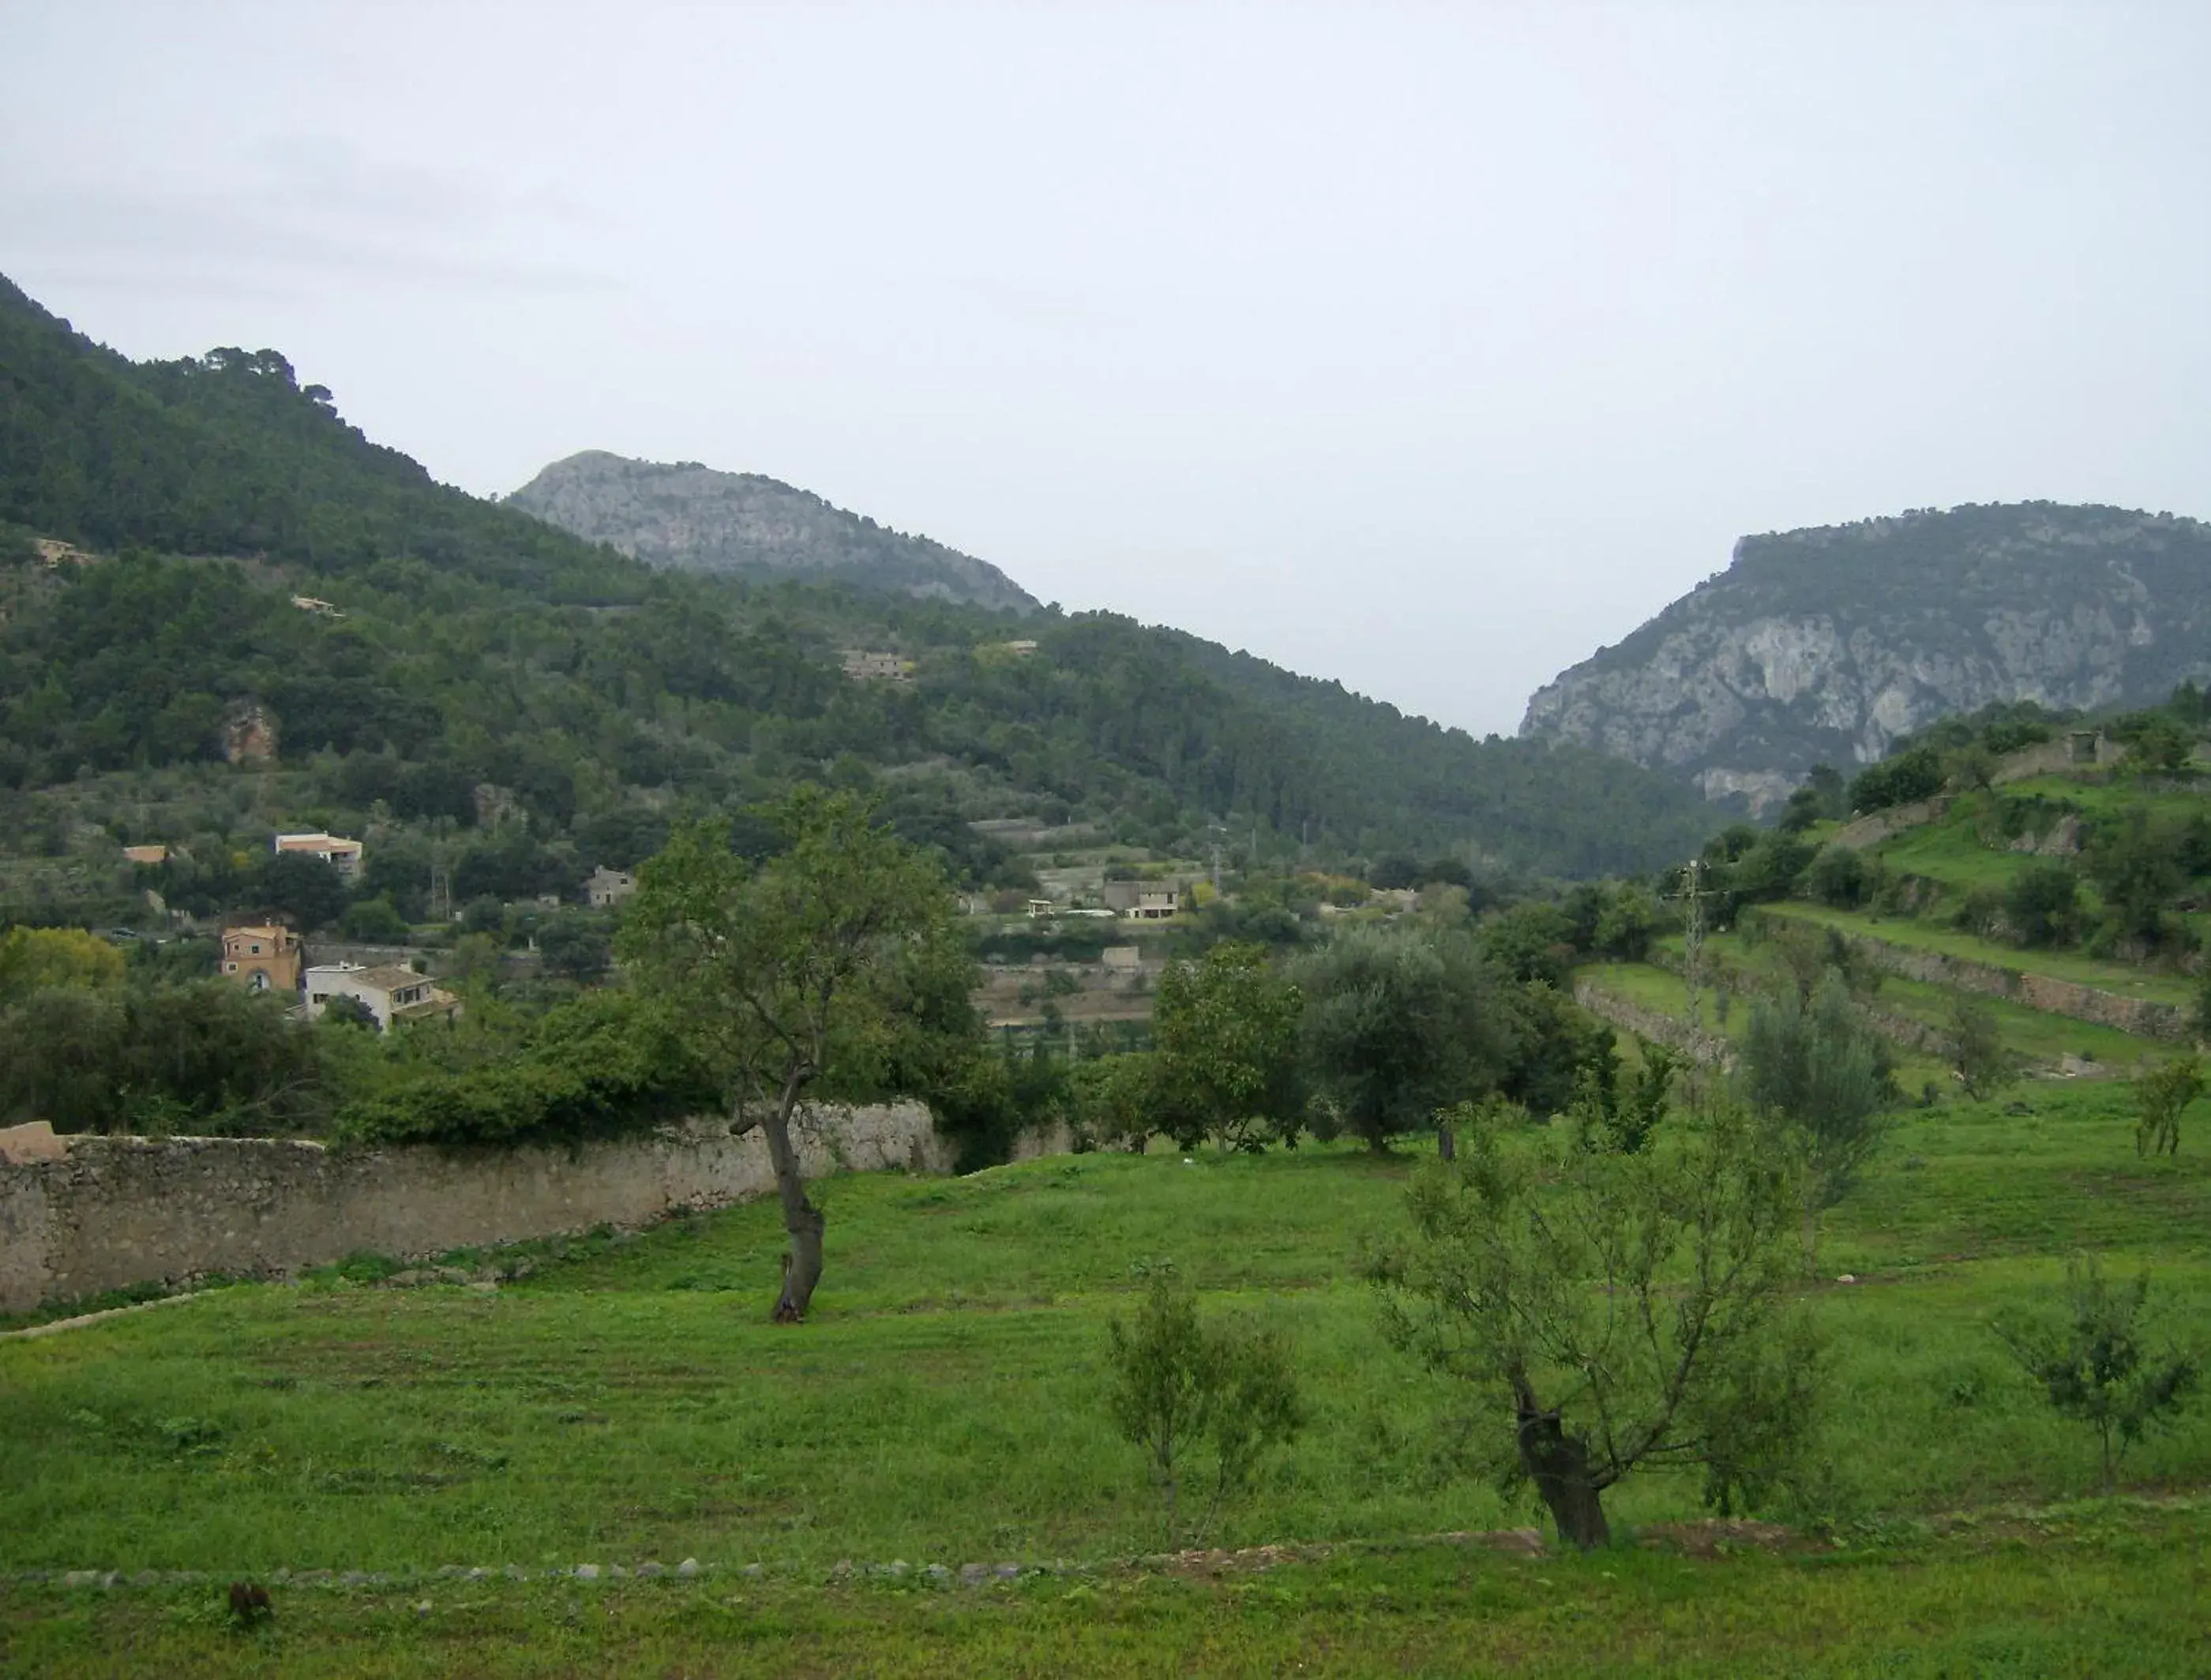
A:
x,y
624,1402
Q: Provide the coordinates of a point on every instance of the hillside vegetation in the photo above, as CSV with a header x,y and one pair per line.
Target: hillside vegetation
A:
x,y
1371,1247
459,661
1964,887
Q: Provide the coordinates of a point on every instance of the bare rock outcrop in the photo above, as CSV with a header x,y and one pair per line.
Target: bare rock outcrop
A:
x,y
684,517
1826,645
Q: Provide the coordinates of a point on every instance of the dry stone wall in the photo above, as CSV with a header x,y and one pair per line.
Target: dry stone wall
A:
x,y
1655,1025
105,1213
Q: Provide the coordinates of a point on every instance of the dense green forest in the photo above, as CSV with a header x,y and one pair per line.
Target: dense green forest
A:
x,y
536,705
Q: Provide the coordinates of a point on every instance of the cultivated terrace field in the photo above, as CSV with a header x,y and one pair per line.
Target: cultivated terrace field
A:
x,y
610,1463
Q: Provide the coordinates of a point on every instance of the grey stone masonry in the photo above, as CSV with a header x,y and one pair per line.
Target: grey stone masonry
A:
x,y
101,1214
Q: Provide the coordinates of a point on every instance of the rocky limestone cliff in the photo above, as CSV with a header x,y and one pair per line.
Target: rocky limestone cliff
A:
x,y
688,518
1824,645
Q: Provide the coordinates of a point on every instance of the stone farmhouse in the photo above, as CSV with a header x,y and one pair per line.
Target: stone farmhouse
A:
x,y
606,887
868,665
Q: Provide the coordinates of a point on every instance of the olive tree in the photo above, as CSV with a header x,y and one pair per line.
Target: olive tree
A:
x,y
1184,1391
1973,1045
1225,1033
1813,1062
1614,1311
1398,1024
820,962
2163,1096
2095,1364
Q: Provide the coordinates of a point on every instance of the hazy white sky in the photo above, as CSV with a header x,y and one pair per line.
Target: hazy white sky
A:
x,y
1425,347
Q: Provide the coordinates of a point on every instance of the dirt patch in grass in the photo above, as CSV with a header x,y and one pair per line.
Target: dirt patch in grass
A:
x,y
1718,1536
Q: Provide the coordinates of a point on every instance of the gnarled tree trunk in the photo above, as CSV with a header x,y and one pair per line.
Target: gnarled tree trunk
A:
x,y
801,1221
1558,1464
802,1266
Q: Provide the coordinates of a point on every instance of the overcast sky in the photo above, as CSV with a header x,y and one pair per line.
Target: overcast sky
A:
x,y
1427,347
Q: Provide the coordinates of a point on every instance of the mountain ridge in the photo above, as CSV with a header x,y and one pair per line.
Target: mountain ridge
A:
x,y
557,702
685,516
1828,643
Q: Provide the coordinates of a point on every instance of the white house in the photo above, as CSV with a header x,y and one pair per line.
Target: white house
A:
x,y
1142,901
388,993
341,854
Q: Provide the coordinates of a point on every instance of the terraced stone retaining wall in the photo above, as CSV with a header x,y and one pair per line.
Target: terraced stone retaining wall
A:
x,y
1654,1024
2037,991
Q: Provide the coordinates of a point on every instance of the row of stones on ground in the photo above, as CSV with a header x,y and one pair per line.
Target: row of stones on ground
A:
x,y
1527,1541
968,1575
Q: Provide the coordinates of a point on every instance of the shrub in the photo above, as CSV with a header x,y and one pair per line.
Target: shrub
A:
x,y
2094,1366
601,1065
375,922
2136,868
1975,1047
1912,775
1842,877
2163,1096
1183,1390
2042,904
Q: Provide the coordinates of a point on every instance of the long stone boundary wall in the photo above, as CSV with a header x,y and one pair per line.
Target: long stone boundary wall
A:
x,y
110,1212
2052,996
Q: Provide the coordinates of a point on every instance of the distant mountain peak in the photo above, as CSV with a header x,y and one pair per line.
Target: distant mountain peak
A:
x,y
684,516
1825,645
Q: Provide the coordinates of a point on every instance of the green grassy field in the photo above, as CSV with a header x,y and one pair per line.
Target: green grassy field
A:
x,y
625,1403
2101,1590
1950,852
2107,795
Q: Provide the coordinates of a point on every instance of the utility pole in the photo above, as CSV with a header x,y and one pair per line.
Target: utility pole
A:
x,y
441,869
1692,943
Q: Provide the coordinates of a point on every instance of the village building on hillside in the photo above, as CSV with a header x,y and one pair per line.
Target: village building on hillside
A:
x,y
146,855
391,993
262,957
863,665
607,887
341,854
1141,901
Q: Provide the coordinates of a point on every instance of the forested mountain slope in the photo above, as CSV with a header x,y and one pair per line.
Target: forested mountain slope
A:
x,y
227,454
1827,645
552,705
688,518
